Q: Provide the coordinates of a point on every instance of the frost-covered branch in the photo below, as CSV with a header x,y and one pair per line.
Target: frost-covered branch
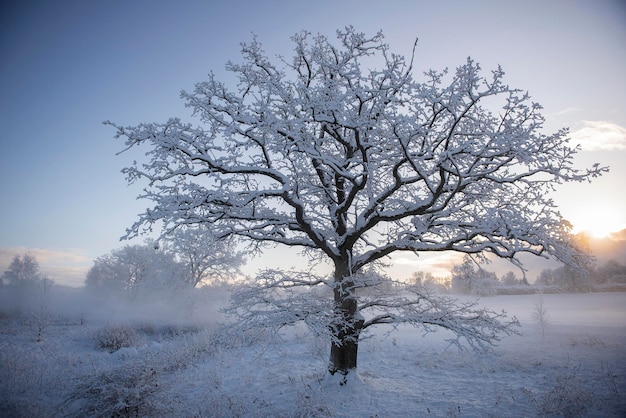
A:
x,y
470,324
276,299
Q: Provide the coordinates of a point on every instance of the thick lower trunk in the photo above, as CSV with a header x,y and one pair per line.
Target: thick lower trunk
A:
x,y
347,327
343,355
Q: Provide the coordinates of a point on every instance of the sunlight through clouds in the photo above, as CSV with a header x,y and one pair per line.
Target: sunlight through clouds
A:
x,y
438,264
600,136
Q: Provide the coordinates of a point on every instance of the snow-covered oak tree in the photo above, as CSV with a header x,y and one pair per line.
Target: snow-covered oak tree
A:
x,y
320,153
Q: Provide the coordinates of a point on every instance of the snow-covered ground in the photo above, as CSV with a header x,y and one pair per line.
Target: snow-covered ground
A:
x,y
575,367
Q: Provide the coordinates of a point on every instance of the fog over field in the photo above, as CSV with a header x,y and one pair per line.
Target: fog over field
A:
x,y
178,358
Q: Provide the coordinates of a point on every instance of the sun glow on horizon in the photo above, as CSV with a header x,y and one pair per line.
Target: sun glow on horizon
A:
x,y
598,222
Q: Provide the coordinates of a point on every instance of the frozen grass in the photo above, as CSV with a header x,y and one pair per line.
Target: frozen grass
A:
x,y
143,368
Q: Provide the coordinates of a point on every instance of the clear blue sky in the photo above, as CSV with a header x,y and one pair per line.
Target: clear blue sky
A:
x,y
66,66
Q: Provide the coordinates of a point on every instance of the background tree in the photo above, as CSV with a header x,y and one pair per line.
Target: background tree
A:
x,y
430,282
510,279
611,272
27,288
468,278
566,278
23,271
206,258
351,165
134,267
546,278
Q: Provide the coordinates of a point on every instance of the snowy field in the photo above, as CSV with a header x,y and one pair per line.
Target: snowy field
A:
x,y
574,366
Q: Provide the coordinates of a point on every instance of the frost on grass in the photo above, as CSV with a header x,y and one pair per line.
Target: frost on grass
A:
x,y
186,371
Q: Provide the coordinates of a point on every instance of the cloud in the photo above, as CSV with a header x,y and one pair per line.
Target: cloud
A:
x,y
66,267
565,111
600,136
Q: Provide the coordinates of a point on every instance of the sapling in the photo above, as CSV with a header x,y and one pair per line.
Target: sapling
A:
x,y
540,316
42,313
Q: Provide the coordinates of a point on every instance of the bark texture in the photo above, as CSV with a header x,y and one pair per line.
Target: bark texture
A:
x,y
348,322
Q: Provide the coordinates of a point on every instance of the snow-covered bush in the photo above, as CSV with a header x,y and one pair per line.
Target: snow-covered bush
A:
x,y
114,337
121,392
161,332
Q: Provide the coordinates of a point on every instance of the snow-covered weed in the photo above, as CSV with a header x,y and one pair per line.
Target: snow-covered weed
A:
x,y
136,387
30,376
317,346
453,411
186,350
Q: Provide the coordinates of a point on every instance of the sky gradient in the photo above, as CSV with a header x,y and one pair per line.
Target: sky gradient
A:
x,y
69,65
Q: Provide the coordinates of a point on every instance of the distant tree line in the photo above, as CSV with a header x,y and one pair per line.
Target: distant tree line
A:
x,y
469,277
609,276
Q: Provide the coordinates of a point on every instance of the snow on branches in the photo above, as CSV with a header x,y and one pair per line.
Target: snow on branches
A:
x,y
277,299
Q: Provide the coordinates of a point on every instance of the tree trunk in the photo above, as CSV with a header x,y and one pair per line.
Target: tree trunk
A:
x,y
347,326
344,348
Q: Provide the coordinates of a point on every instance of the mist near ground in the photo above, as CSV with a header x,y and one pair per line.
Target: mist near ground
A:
x,y
167,354
187,305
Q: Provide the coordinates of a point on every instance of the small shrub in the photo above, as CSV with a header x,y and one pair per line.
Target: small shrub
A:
x,y
112,338
568,398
